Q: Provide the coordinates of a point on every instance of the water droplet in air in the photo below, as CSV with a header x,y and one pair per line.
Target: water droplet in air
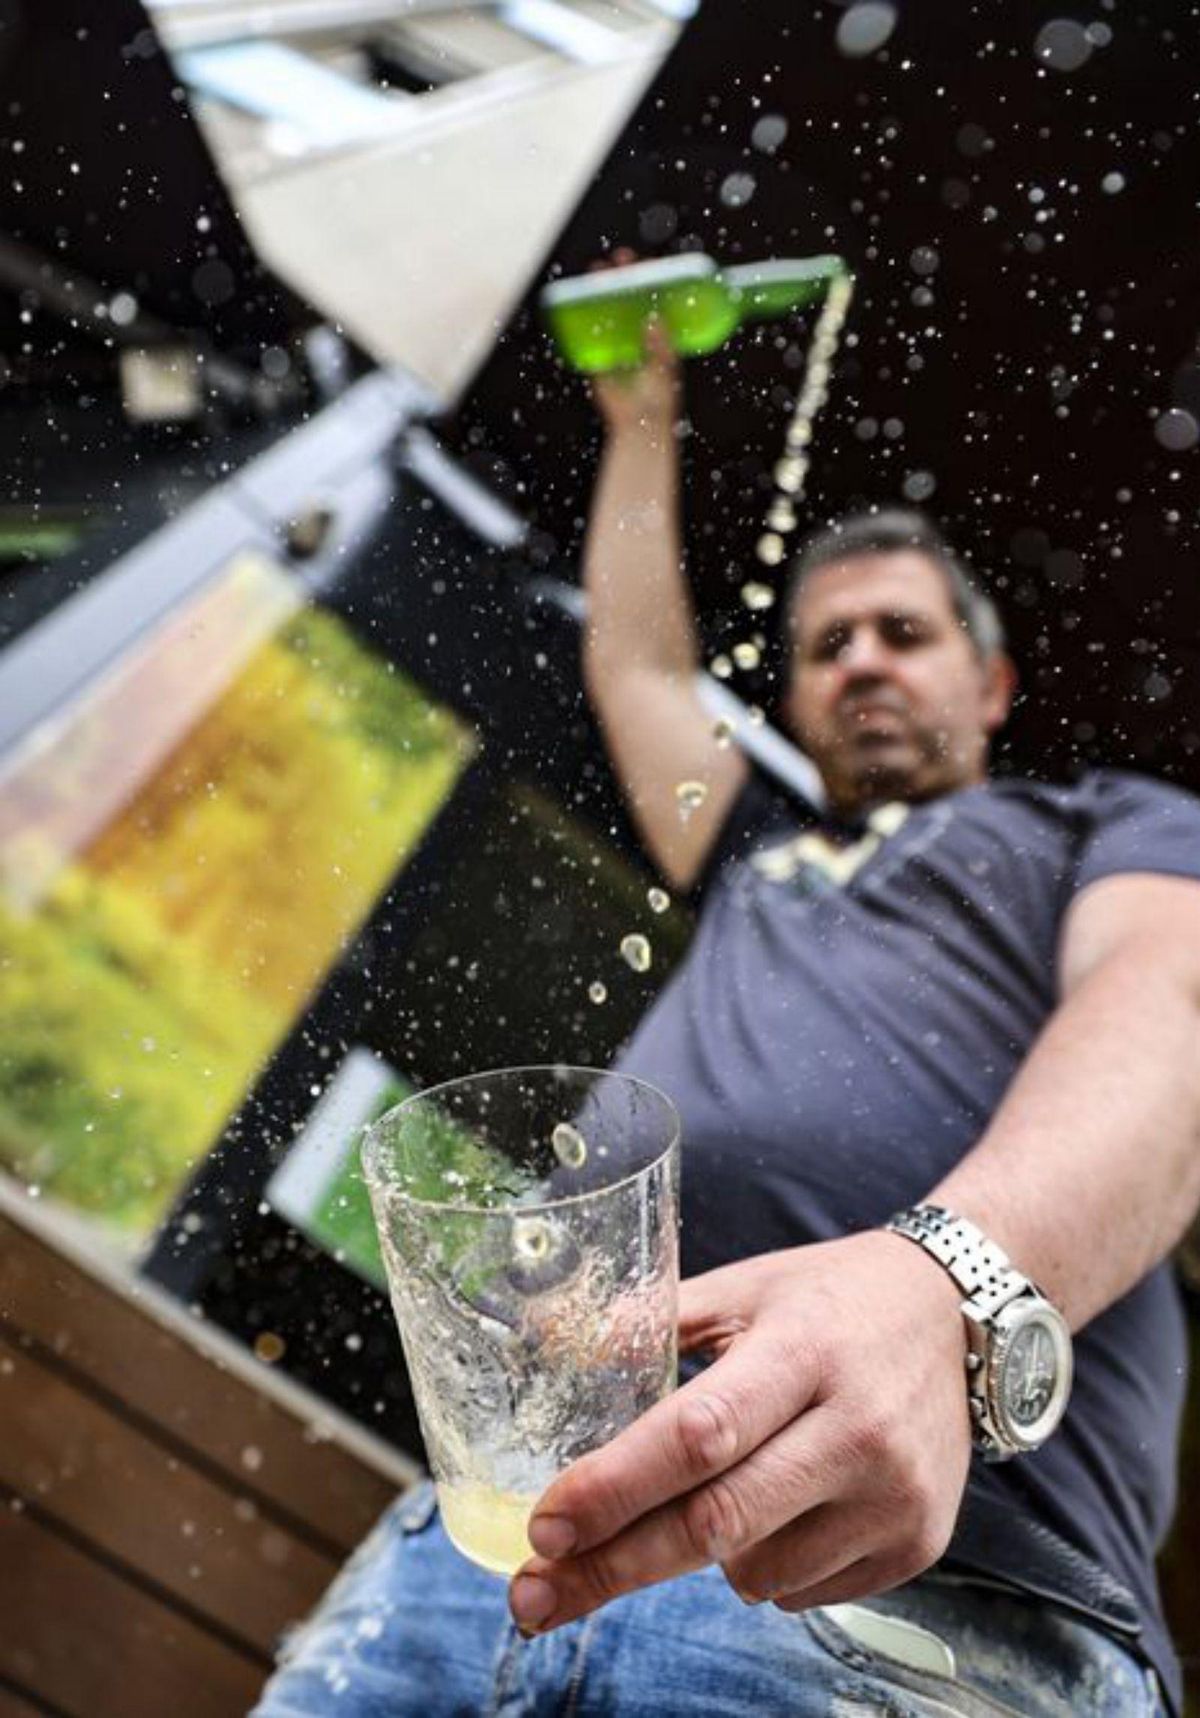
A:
x,y
769,132
919,485
659,900
269,1347
865,28
635,952
757,596
597,992
789,475
723,731
570,1147
747,655
531,1237
1176,430
737,190
770,548
691,795
721,666
1063,45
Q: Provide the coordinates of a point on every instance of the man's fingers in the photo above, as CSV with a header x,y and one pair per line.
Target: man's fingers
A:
x,y
706,1428
615,259
658,348
757,1497
858,1580
803,1554
652,1550
711,1309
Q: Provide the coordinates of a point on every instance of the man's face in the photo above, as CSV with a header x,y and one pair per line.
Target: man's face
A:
x,y
888,695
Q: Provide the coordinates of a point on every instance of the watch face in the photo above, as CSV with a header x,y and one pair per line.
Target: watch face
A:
x,y
1034,1373
1031,1374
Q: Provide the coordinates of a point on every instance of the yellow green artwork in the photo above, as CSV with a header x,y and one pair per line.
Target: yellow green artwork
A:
x,y
183,856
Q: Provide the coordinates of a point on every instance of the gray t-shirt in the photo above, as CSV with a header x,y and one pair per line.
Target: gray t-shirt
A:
x,y
847,1019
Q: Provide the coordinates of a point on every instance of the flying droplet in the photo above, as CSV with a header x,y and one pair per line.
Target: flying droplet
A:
x,y
757,596
597,992
570,1147
1176,429
531,1237
782,517
723,731
721,666
691,795
269,1347
865,28
918,485
635,952
770,548
1063,45
747,655
659,900
737,190
769,132
789,475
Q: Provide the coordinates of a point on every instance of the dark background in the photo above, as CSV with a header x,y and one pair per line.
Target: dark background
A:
x,y
1017,328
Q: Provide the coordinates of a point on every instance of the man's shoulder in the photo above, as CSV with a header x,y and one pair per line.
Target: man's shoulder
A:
x,y
1095,791
1125,792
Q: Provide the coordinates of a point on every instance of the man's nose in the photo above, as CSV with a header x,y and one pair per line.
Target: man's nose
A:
x,y
864,654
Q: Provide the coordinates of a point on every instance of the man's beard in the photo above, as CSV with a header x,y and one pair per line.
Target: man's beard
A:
x,y
876,776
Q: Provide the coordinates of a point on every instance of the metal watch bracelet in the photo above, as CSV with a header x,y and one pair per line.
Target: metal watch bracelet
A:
x,y
982,1270
1014,1403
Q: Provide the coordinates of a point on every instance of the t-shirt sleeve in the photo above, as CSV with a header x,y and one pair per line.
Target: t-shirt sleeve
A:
x,y
1135,824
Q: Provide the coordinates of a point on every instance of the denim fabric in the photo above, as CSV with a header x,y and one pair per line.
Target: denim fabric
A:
x,y
411,1627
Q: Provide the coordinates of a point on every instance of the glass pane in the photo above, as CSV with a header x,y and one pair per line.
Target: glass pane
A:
x,y
185,850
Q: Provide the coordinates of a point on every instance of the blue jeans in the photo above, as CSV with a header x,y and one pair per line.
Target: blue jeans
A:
x,y
411,1627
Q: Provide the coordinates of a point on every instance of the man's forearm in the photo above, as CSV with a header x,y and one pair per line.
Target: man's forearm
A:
x,y
1090,1169
638,605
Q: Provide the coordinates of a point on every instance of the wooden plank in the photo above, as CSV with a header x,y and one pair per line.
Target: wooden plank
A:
x,y
13,1704
119,1334
92,1645
138,1502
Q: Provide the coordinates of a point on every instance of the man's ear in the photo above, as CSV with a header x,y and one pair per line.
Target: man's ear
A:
x,y
1000,681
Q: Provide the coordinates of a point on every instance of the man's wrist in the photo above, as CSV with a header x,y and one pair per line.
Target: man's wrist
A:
x,y
941,1288
1019,1361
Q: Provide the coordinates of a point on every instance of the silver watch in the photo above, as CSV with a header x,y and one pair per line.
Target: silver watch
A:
x,y
1019,1363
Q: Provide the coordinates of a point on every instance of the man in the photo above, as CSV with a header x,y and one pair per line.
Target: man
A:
x,y
944,993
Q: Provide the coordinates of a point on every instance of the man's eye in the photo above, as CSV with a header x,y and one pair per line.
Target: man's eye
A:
x,y
903,630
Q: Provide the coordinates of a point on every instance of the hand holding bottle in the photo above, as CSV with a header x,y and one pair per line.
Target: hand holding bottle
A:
x,y
646,401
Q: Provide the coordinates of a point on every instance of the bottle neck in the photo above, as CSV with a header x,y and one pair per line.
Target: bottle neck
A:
x,y
762,290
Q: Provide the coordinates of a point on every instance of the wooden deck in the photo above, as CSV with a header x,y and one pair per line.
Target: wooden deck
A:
x,y
170,1505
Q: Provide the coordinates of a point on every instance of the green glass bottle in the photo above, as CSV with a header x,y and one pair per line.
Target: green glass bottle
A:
x,y
599,320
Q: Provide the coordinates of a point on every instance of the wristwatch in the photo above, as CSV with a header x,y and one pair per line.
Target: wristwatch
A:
x,y
1019,1363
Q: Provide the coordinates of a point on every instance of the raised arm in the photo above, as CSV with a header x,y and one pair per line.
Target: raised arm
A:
x,y
640,651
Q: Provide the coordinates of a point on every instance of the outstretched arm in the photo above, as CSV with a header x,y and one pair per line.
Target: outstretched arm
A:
x,y
823,1455
640,648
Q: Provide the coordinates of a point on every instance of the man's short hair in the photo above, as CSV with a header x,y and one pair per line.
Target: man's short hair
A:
x,y
891,529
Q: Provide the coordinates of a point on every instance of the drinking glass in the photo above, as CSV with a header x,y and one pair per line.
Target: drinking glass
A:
x,y
528,1219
